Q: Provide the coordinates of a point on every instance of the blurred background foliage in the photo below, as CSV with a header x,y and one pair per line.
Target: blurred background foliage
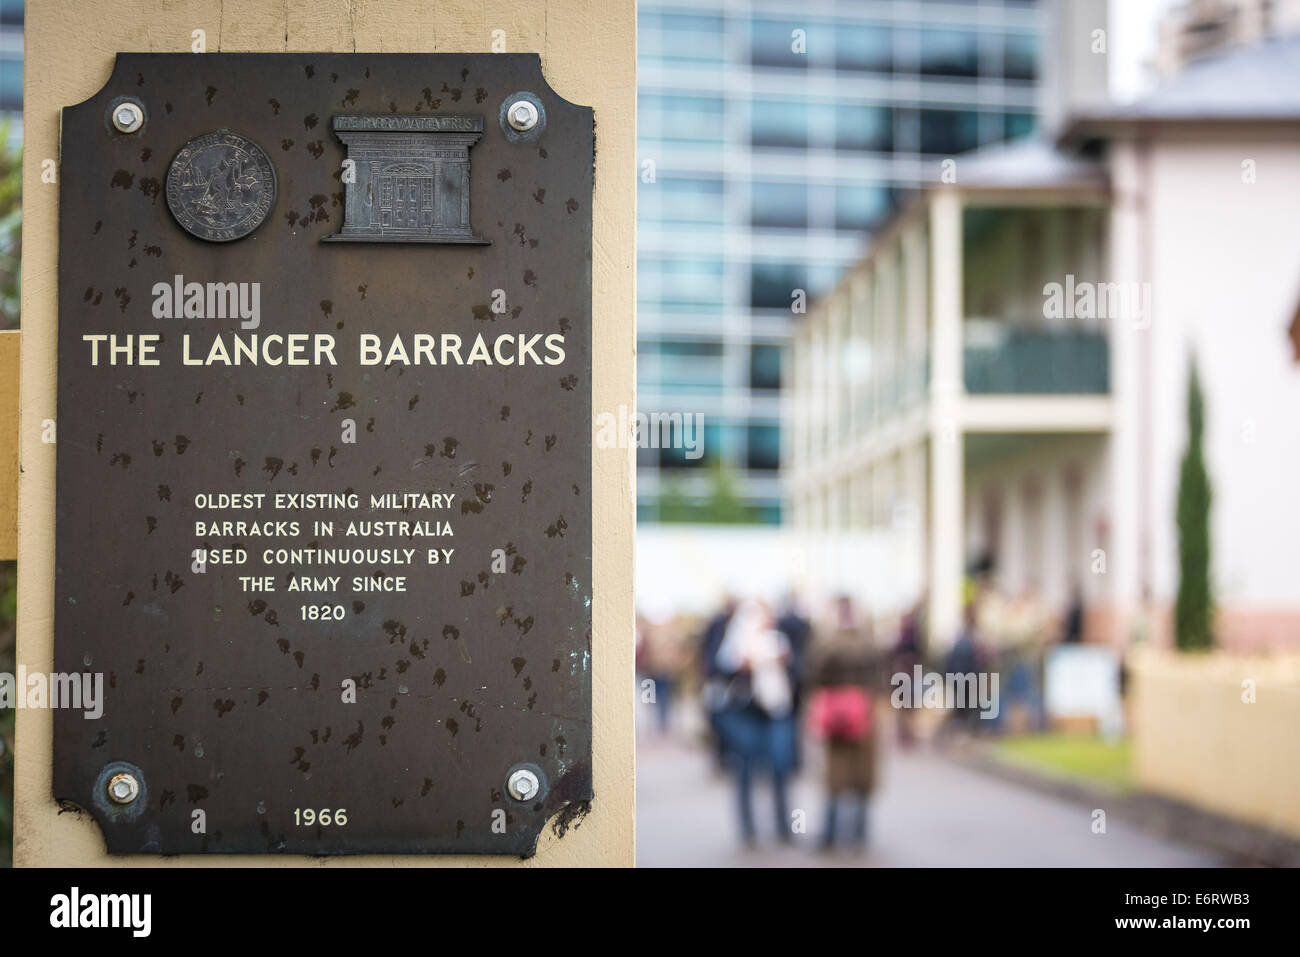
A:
x,y
722,507
11,225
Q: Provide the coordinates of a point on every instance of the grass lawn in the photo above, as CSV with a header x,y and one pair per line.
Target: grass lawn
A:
x,y
1089,759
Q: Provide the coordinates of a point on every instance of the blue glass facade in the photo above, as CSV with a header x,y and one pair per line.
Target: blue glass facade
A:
x,y
773,137
11,56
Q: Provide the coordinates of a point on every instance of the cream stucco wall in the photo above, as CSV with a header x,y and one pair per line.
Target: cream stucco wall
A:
x,y
588,52
1218,731
1226,280
1223,258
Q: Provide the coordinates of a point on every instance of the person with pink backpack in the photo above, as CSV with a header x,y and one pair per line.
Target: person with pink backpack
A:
x,y
841,713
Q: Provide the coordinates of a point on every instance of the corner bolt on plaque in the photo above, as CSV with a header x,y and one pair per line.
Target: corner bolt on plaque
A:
x,y
324,462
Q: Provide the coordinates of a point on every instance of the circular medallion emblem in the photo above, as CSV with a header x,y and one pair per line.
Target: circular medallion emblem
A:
x,y
220,186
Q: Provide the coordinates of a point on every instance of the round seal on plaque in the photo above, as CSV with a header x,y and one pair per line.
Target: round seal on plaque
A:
x,y
220,186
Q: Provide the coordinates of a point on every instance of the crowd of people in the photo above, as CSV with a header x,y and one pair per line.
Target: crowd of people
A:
x,y
760,676
767,680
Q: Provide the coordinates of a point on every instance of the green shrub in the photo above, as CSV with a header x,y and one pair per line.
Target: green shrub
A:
x,y
1194,610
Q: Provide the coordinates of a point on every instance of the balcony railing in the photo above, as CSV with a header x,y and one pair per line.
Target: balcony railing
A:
x,y
1001,357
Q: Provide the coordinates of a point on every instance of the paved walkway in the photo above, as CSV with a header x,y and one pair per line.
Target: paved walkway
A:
x,y
927,812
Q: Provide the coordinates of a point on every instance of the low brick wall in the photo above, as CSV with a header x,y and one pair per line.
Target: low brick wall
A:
x,y
1197,739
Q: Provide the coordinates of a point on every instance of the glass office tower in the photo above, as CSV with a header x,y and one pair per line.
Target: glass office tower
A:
x,y
774,138
11,62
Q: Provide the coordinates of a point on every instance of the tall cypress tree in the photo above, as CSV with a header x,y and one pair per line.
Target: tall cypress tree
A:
x,y
1194,611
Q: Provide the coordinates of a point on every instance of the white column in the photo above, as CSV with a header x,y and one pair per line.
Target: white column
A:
x,y
915,280
886,327
946,453
858,344
1121,497
1056,538
913,557
816,391
831,380
1011,561
879,281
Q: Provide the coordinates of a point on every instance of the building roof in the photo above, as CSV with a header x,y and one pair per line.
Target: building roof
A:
x,y
1023,165
1027,164
1260,82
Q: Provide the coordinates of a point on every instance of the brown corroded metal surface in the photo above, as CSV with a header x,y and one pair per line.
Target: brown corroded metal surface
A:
x,y
224,700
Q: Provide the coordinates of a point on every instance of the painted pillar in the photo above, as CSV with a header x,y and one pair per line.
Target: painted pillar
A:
x,y
946,552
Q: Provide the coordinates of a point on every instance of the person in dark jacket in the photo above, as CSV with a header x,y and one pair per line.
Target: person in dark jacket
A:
x,y
755,719
908,653
798,632
1072,626
966,656
846,676
713,681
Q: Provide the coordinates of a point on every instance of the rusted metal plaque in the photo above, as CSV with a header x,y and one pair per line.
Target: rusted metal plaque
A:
x,y
324,454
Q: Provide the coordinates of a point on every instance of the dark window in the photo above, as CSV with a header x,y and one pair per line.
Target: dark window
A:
x,y
864,48
949,53
774,44
764,448
1020,57
949,131
778,123
764,366
11,84
861,207
11,13
779,204
1019,124
864,128
772,285
706,447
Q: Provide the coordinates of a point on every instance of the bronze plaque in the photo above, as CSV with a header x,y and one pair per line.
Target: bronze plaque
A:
x,y
324,454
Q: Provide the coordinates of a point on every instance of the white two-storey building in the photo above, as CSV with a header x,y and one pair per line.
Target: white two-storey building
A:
x,y
1001,382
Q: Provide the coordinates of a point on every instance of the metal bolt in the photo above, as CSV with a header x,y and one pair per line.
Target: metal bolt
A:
x,y
123,788
522,115
128,117
523,785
